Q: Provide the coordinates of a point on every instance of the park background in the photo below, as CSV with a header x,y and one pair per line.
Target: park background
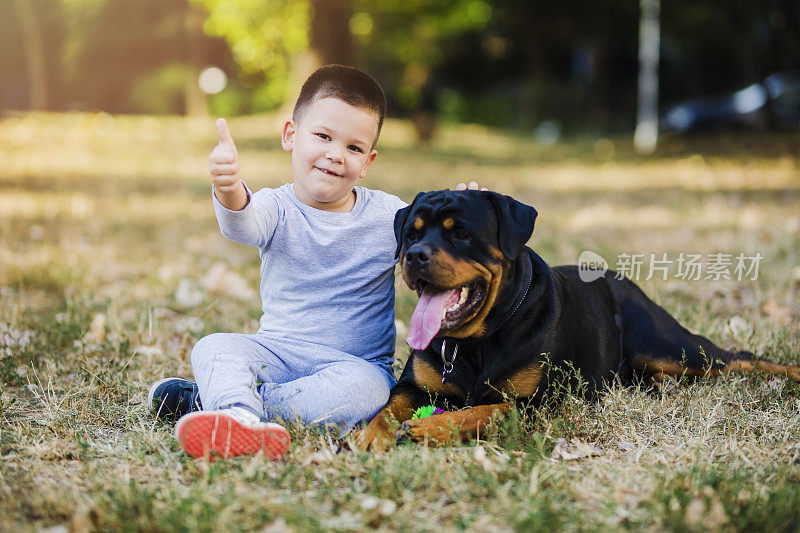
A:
x,y
112,266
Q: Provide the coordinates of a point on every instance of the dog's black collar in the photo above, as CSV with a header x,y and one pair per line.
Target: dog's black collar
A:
x,y
441,347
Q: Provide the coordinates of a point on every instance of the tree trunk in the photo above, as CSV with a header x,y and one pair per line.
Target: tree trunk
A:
x,y
195,101
330,37
34,50
329,42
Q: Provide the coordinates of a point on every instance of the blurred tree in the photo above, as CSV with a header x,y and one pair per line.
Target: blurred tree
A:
x,y
405,43
128,55
714,46
399,41
573,62
501,62
114,55
34,52
264,37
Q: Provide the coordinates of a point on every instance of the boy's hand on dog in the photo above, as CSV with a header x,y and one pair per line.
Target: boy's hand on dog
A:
x,y
473,186
223,163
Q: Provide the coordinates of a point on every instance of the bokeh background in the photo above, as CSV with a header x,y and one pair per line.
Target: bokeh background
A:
x,y
556,68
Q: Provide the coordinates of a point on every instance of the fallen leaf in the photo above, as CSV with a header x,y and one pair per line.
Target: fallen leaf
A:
x,y
482,458
706,510
575,449
97,330
188,294
221,280
738,328
277,526
626,446
775,311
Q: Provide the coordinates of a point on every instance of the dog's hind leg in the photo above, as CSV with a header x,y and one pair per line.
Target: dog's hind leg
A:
x,y
652,341
654,344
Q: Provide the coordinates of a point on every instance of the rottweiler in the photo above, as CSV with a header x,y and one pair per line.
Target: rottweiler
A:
x,y
492,315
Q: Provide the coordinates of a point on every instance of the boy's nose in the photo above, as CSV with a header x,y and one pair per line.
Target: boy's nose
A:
x,y
335,155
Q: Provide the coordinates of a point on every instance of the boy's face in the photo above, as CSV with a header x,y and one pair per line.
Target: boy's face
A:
x,y
331,147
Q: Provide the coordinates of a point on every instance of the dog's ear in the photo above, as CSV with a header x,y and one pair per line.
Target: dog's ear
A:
x,y
399,221
515,222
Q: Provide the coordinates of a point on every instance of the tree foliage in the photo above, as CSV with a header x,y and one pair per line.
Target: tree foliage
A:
x,y
405,37
502,62
263,36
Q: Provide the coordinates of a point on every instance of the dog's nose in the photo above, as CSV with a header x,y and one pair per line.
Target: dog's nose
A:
x,y
418,256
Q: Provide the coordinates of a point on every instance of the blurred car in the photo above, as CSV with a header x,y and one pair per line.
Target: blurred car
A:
x,y
775,102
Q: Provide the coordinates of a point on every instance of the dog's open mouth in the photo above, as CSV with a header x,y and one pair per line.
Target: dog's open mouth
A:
x,y
440,308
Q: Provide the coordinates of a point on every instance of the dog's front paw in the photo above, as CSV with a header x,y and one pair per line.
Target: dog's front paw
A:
x,y
433,429
375,437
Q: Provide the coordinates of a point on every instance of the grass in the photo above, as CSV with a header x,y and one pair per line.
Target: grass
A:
x,y
108,238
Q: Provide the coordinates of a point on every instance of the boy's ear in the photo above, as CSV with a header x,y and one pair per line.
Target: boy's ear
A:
x,y
370,158
287,135
400,221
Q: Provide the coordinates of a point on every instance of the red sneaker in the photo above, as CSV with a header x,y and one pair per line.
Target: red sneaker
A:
x,y
230,432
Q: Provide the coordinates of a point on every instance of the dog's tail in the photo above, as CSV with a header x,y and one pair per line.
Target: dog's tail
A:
x,y
747,363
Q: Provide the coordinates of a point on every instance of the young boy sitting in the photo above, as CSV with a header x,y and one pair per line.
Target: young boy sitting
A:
x,y
325,346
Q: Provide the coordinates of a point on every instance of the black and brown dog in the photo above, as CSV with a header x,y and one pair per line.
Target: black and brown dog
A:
x,y
492,314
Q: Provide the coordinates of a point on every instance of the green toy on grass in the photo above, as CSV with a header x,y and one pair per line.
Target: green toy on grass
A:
x,y
425,411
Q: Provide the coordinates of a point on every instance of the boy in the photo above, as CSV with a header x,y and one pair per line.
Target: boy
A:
x,y
325,346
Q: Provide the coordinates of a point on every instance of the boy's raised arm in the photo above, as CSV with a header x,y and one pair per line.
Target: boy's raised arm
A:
x,y
223,163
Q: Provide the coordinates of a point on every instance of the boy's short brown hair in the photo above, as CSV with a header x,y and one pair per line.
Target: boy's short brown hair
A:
x,y
349,84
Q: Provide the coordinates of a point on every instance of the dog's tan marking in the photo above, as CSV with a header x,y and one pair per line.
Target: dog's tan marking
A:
x,y
524,382
651,366
656,380
452,425
429,379
419,224
493,276
497,253
747,367
448,223
447,271
377,436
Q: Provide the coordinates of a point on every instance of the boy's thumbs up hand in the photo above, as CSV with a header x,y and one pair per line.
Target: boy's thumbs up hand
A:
x,y
223,162
224,134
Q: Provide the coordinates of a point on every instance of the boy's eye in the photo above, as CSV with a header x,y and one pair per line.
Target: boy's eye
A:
x,y
355,148
323,136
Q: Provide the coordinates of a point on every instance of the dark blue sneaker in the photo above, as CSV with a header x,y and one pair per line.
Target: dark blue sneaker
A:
x,y
171,398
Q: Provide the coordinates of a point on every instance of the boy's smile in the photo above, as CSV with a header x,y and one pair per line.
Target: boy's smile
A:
x,y
331,147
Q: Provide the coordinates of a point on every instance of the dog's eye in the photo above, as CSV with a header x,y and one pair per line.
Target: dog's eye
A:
x,y
460,235
412,236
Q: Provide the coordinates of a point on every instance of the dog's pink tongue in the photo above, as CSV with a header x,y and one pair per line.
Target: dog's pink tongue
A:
x,y
427,317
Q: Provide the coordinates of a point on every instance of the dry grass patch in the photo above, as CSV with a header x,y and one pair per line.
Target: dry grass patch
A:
x,y
107,253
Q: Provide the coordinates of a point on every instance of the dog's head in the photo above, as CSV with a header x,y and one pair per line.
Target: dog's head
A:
x,y
454,247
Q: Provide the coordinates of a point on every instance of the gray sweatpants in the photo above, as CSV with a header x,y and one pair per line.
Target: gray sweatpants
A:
x,y
289,379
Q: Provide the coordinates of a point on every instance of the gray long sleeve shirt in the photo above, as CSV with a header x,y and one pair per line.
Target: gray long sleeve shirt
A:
x,y
327,279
